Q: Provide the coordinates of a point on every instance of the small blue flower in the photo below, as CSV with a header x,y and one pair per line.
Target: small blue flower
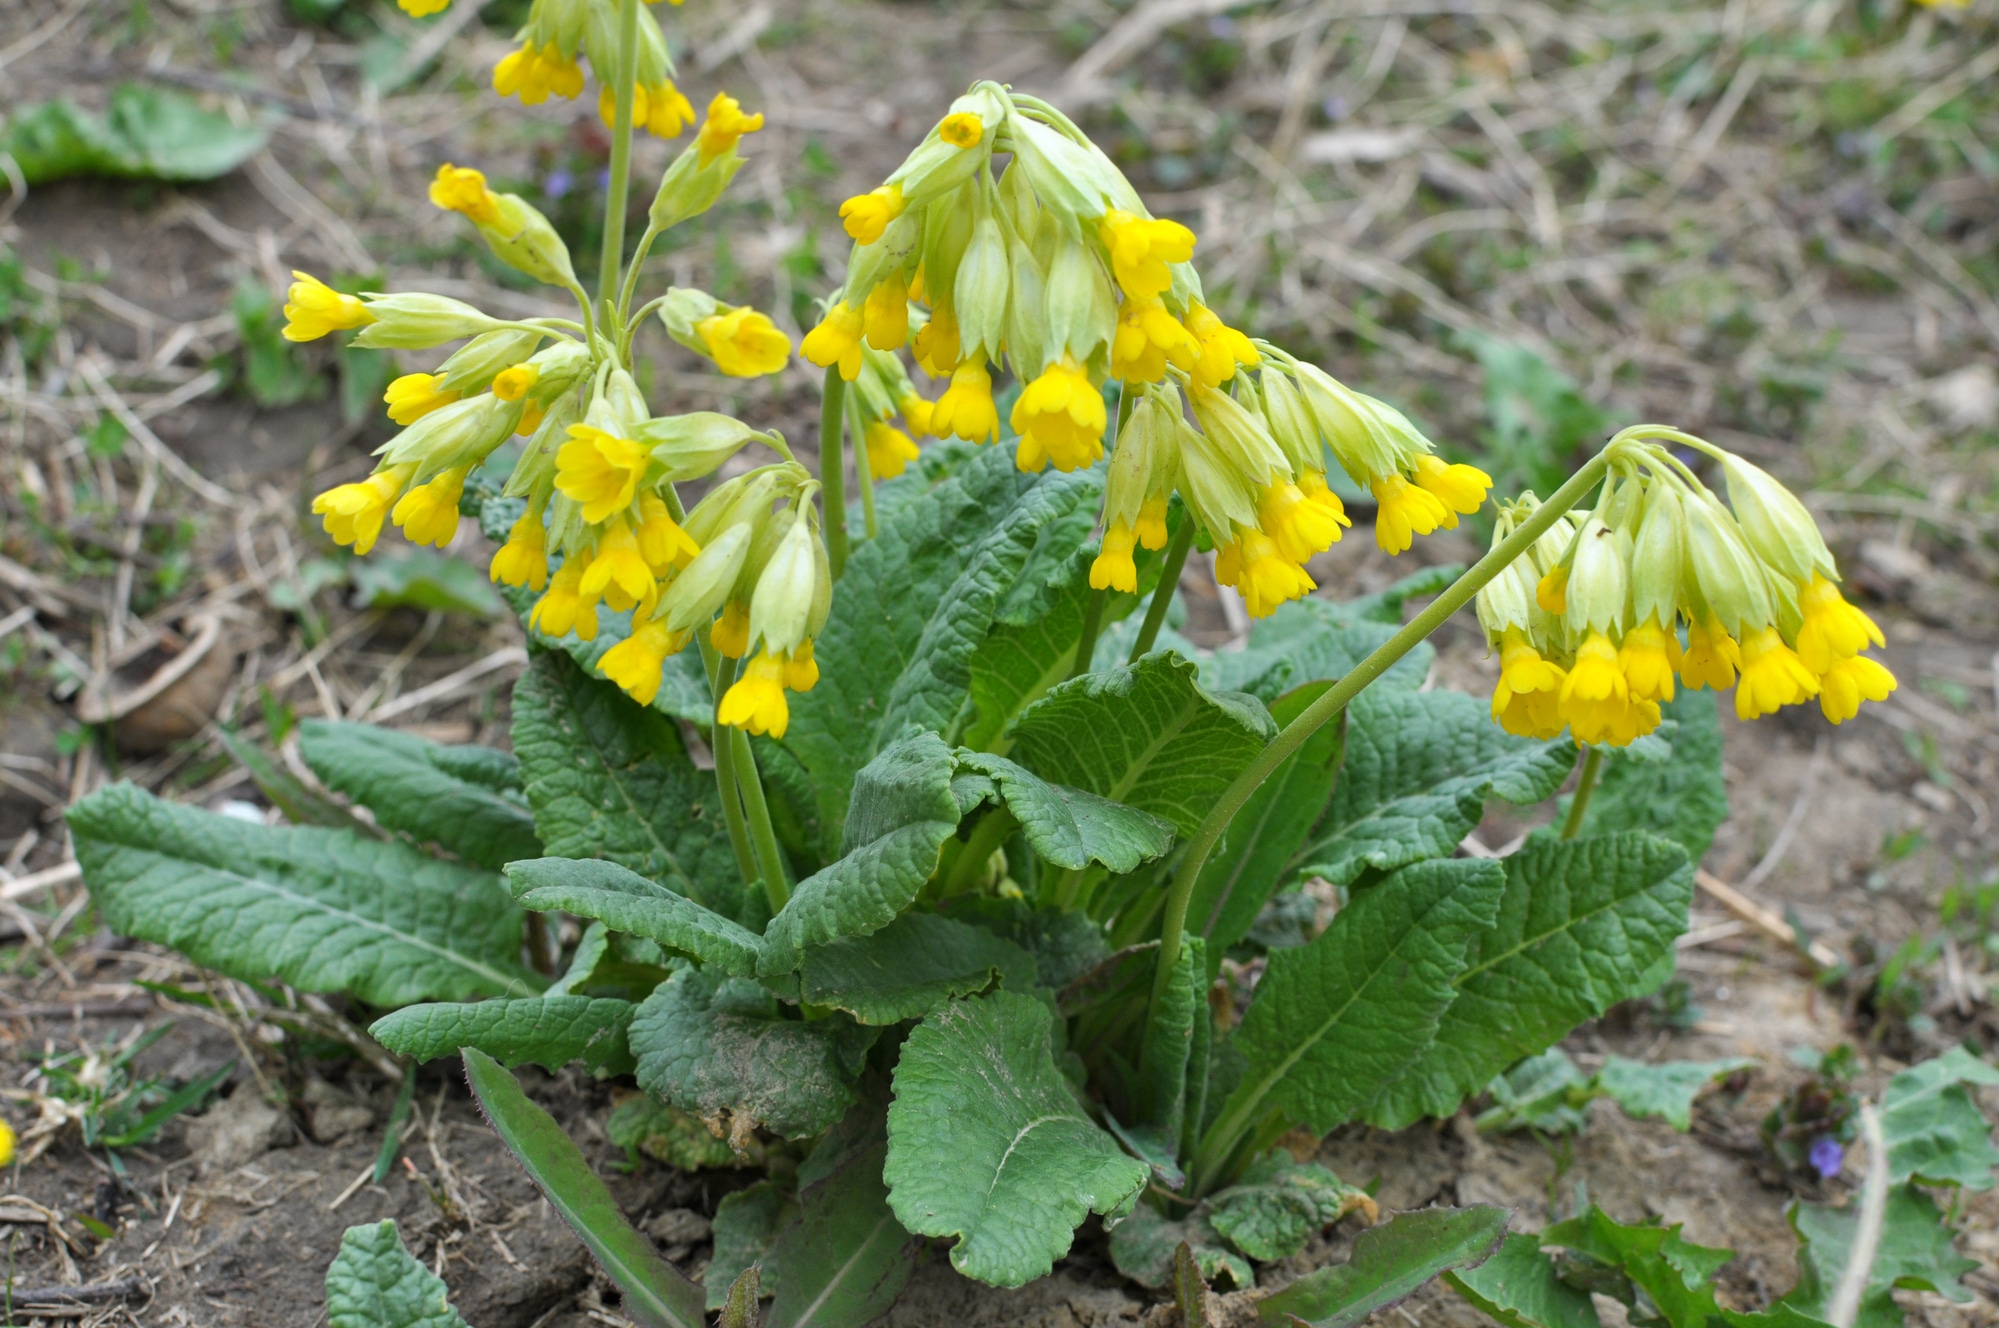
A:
x,y
558,183
1826,1156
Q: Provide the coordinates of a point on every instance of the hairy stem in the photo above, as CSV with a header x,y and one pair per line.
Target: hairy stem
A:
x,y
721,672
1585,785
763,838
1093,621
833,467
650,234
621,151
864,480
1330,703
1169,581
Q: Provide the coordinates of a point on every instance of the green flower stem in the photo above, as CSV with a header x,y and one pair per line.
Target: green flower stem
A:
x,y
1169,581
1228,1130
763,838
833,468
991,832
864,479
1585,785
1093,621
632,275
721,672
621,152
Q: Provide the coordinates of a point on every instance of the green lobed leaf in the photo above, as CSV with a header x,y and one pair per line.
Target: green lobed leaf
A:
x,y
708,1044
1580,926
1918,1252
1419,767
911,967
1674,1272
148,133
1335,1019
375,1283
1147,735
1665,1091
1143,1245
1280,1204
1389,1263
1520,1287
655,1294
1069,827
846,1258
321,910
1935,1131
745,1230
986,1142
549,1031
625,901
610,779
642,1124
414,785
1682,798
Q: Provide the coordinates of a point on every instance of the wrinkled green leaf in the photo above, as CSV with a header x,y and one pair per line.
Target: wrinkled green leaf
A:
x,y
1674,1272
1389,1263
1580,926
1682,797
1067,826
746,1227
321,910
412,785
375,1283
1520,1287
628,902
640,1124
420,578
148,133
1142,1247
655,1294
1918,1252
547,1031
1935,1131
1170,1038
1280,1204
987,1144
1665,1091
1313,639
846,1258
910,967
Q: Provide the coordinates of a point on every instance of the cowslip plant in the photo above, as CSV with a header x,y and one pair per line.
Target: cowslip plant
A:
x,y
970,935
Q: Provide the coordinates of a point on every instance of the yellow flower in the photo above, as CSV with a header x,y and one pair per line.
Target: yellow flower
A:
x,y
1527,701
1552,591
889,450
6,1143
662,542
936,349
1141,250
1649,655
1300,526
966,409
1151,527
599,471
618,563
423,8
1772,676
885,315
414,396
1261,574
1114,568
561,609
1313,485
916,413
744,343
867,215
755,701
962,130
462,189
1222,347
354,512
1712,657
1458,488
312,309
731,632
514,383
1849,682
522,560
801,671
531,415
428,514
1060,418
725,124
662,110
1833,630
1596,697
532,75
1402,509
635,663
837,340
1147,338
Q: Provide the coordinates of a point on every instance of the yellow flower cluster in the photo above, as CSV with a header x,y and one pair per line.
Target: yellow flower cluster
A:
x,y
557,32
882,391
1588,625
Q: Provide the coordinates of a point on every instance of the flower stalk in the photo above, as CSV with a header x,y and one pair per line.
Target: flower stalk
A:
x,y
1586,783
833,467
615,201
1162,595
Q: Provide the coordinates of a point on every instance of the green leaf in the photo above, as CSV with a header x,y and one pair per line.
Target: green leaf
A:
x,y
610,779
1419,767
683,681
1675,1273
956,535
987,1144
846,1258
1312,639
1069,827
1169,1045
902,811
419,578
1142,1248
1581,924
1917,1252
1389,1263
411,786
641,1124
1337,1018
148,133
1682,798
709,1044
375,1283
614,964
910,967
625,901
746,1227
1147,735
1545,1093
321,910
1279,1204
1936,1134
655,1294
1259,845
1520,1287
287,792
1665,1091
548,1031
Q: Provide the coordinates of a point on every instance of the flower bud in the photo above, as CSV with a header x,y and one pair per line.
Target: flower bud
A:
x,y
1081,307
452,436
1507,601
534,473
1599,579
1658,556
703,584
1240,436
1026,338
1729,579
1776,525
473,366
692,185
692,446
984,283
416,321
781,605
